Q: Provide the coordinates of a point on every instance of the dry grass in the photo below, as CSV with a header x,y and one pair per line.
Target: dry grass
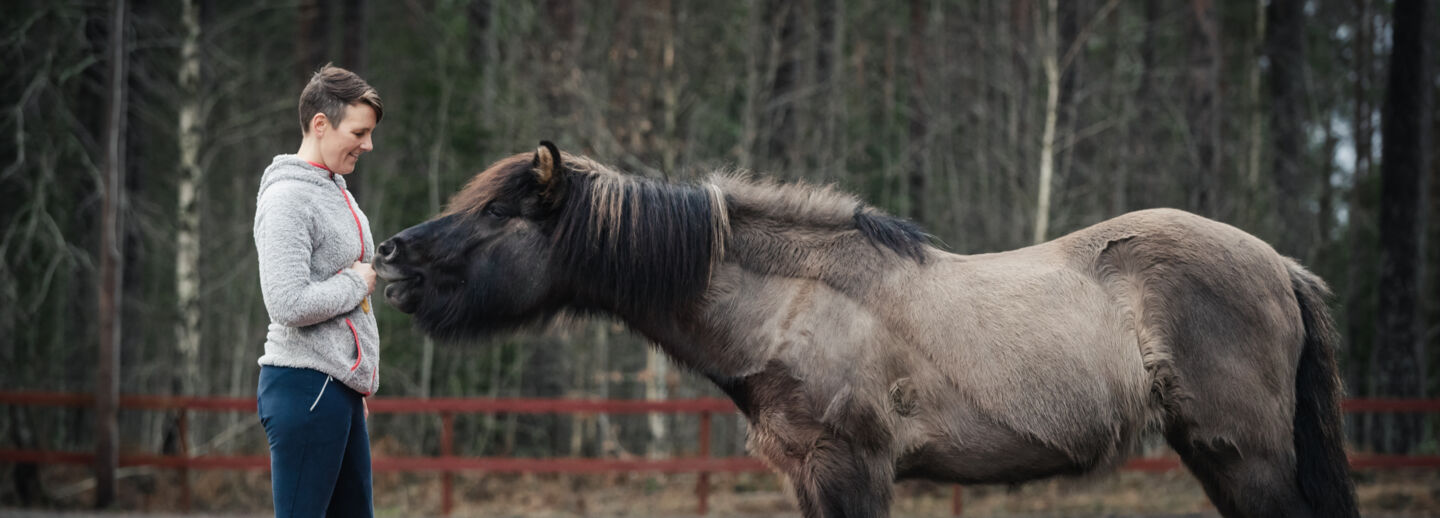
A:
x,y
1390,493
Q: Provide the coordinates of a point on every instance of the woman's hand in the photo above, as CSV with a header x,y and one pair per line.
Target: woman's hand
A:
x,y
366,272
364,403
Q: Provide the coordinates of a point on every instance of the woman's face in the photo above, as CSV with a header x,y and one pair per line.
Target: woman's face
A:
x,y
342,146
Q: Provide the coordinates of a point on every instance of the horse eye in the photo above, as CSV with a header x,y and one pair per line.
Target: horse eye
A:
x,y
495,212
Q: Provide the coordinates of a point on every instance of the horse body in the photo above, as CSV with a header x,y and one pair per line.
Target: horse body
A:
x,y
1036,351
861,356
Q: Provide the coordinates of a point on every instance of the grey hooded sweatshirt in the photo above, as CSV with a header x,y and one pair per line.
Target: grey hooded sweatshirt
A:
x,y
308,231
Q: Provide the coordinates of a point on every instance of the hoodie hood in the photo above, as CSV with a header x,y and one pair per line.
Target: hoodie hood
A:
x,y
292,167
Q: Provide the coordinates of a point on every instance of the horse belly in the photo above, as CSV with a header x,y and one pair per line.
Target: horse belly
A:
x,y
986,454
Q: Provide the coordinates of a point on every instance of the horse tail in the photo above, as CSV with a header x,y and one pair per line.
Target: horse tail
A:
x,y
1322,469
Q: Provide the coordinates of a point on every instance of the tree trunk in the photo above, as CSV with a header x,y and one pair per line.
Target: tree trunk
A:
x,y
484,52
750,115
608,446
778,121
1326,217
186,376
1257,128
1066,115
1138,190
111,260
829,50
1017,127
354,56
312,38
1203,108
919,169
1360,266
1285,47
669,138
1430,296
187,238
1047,139
656,389
1055,63
656,363
1398,367
560,16
355,48
432,182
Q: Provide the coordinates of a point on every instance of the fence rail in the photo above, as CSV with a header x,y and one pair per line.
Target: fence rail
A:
x,y
447,463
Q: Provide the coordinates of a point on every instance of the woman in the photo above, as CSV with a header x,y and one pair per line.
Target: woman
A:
x,y
322,350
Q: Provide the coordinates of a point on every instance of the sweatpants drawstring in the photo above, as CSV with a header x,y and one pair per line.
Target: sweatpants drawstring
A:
x,y
322,392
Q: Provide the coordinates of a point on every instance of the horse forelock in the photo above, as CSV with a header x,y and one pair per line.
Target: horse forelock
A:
x,y
494,182
509,176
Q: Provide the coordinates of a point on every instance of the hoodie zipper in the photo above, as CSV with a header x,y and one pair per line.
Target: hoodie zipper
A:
x,y
364,303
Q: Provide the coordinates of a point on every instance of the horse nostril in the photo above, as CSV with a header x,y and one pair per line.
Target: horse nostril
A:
x,y
389,250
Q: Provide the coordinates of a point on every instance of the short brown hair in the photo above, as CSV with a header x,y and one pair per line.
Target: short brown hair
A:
x,y
330,91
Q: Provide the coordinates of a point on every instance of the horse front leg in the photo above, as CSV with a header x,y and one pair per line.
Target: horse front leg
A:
x,y
837,481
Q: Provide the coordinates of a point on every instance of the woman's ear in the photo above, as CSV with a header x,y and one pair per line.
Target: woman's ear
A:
x,y
318,124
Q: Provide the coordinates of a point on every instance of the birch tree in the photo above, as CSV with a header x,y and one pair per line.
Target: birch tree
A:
x,y
111,259
187,232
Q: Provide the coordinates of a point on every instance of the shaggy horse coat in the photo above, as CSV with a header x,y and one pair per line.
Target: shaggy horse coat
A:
x,y
861,355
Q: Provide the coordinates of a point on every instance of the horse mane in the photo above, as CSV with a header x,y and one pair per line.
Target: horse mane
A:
x,y
650,243
639,243
822,208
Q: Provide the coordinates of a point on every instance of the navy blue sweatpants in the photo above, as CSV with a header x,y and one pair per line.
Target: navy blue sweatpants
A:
x,y
319,447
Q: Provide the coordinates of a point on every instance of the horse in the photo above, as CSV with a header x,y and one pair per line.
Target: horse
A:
x,y
860,354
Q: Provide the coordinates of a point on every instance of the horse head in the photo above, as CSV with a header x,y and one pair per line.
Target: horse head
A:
x,y
485,262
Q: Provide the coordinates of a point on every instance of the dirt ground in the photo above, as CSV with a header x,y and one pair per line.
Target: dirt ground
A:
x,y
145,490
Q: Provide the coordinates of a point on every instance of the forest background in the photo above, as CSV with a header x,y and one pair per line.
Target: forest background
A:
x,y
133,134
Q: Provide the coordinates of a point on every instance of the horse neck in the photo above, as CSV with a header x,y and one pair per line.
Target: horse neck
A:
x,y
775,242
733,328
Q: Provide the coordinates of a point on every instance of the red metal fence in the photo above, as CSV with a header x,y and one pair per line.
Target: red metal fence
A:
x,y
448,463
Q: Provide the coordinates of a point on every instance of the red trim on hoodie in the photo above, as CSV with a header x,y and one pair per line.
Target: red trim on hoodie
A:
x,y
358,355
358,229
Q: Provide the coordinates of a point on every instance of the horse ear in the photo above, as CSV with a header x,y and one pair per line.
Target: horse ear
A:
x,y
547,160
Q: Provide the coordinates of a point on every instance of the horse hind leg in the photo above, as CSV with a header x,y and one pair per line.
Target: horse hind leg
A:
x,y
1241,481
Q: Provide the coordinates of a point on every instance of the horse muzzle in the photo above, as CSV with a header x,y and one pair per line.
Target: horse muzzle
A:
x,y
403,295
402,284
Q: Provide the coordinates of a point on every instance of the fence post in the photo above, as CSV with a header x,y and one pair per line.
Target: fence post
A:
x,y
447,449
184,430
702,483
